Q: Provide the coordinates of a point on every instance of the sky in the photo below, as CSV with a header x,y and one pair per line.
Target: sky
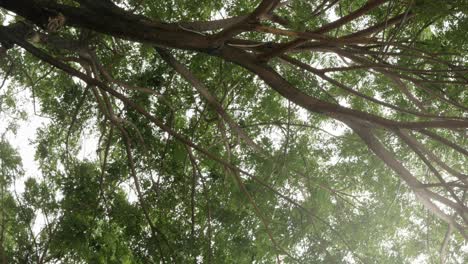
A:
x,y
24,142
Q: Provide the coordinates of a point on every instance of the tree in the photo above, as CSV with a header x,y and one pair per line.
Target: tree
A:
x,y
296,131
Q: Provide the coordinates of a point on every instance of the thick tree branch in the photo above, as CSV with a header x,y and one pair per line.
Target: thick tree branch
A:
x,y
371,4
423,196
260,13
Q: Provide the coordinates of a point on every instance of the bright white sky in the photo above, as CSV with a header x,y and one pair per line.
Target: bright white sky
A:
x,y
22,140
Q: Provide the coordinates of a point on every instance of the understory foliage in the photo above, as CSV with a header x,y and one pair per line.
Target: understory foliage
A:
x,y
328,131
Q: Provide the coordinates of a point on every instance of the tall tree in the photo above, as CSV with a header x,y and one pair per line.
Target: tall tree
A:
x,y
248,131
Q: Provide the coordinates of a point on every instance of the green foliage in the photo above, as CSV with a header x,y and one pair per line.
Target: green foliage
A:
x,y
348,206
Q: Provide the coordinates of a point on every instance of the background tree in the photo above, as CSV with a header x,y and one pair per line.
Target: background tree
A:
x,y
249,131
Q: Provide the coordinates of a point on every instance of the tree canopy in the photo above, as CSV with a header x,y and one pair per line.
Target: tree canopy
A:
x,y
328,131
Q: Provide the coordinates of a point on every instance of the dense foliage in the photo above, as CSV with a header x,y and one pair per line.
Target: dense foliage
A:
x,y
328,131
